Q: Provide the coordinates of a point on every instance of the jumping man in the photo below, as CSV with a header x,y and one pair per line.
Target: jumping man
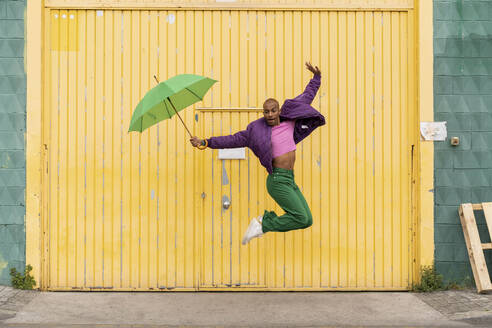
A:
x,y
273,140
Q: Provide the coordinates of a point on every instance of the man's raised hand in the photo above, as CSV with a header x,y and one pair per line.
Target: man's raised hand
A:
x,y
315,70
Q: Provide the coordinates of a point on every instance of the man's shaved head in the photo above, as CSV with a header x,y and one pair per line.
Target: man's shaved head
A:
x,y
271,111
271,102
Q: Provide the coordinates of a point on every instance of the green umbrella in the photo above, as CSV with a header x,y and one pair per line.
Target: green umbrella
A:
x,y
167,98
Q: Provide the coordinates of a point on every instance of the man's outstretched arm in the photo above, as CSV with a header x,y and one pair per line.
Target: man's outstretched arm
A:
x,y
312,88
237,140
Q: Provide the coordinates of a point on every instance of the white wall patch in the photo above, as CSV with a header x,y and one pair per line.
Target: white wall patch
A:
x,y
232,153
434,131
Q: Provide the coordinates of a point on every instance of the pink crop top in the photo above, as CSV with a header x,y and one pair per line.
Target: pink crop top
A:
x,y
283,138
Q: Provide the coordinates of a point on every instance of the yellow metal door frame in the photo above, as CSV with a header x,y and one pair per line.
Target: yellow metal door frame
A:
x,y
423,168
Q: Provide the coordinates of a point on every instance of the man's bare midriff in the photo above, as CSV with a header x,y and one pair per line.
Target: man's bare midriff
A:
x,y
285,161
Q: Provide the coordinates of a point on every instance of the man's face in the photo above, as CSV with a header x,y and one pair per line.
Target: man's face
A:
x,y
271,112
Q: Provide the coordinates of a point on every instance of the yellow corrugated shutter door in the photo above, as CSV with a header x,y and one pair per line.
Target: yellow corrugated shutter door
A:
x,y
145,211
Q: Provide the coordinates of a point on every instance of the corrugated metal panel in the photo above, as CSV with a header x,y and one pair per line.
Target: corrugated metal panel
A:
x,y
129,211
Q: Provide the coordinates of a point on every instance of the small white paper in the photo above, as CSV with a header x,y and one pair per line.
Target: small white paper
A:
x,y
232,153
434,131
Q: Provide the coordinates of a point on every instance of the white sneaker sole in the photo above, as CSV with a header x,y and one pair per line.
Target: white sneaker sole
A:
x,y
246,237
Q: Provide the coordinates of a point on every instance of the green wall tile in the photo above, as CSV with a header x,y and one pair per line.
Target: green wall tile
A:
x,y
451,195
485,47
444,252
13,103
448,66
12,28
3,9
443,85
447,29
443,159
455,121
12,215
472,48
448,233
451,47
11,48
15,9
12,66
481,121
446,214
12,159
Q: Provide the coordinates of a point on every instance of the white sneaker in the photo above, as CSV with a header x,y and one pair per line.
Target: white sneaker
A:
x,y
254,230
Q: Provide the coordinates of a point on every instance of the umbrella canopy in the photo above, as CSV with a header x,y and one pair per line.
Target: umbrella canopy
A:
x,y
168,98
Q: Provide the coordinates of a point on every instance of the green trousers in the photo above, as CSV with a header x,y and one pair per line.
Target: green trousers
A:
x,y
281,186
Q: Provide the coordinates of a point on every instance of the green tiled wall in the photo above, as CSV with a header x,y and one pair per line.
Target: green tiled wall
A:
x,y
463,98
12,128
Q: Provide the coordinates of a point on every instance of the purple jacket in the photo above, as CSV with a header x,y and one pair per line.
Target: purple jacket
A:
x,y
258,134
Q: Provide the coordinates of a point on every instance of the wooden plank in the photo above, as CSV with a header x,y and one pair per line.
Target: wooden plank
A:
x,y
477,207
472,238
487,246
487,211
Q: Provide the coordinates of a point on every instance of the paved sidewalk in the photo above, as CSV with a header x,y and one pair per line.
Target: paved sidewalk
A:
x,y
461,305
315,309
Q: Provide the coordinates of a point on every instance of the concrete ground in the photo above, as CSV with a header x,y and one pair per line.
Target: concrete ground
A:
x,y
335,309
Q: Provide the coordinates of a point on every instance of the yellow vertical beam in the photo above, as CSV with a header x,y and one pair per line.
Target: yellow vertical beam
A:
x,y
190,153
135,169
154,205
81,146
378,257
72,150
99,215
396,150
279,67
291,53
369,147
118,132
108,151
239,73
334,135
257,84
34,138
179,136
406,141
207,230
351,152
162,158
172,265
425,255
343,173
89,151
413,132
360,138
126,192
225,129
387,134
305,184
325,218
263,197
199,157
317,144
62,152
217,215
144,163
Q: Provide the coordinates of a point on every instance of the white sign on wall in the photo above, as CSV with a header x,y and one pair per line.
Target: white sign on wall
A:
x,y
435,131
232,153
